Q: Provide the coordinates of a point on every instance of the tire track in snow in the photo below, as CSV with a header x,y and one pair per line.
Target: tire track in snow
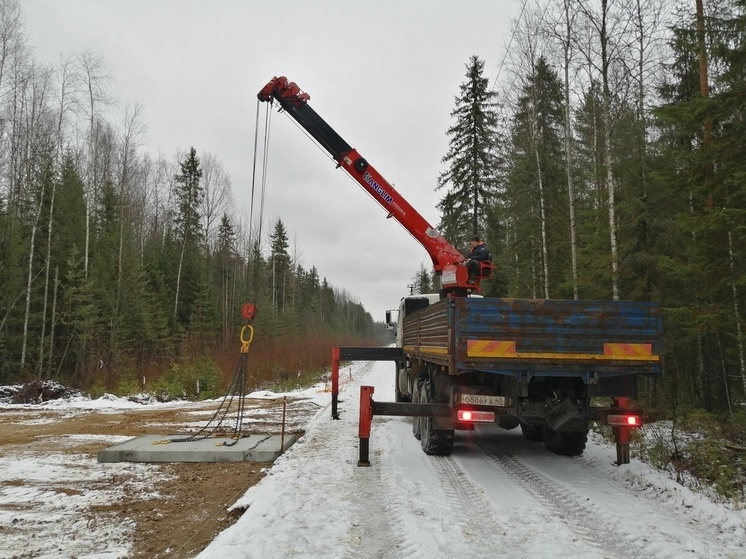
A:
x,y
379,529
471,509
706,530
567,507
369,531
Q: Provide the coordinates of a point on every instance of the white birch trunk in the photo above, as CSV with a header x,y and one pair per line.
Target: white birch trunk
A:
x,y
542,216
178,277
568,152
29,281
46,279
53,322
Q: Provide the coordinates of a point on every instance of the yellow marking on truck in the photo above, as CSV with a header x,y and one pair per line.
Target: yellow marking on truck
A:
x,y
634,350
612,352
424,349
490,348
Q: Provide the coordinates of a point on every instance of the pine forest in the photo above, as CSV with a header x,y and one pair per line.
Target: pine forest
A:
x,y
597,153
606,163
119,268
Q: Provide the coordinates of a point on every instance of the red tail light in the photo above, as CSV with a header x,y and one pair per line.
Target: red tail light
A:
x,y
475,416
624,420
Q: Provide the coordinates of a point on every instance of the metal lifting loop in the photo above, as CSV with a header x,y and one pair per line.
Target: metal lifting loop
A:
x,y
244,342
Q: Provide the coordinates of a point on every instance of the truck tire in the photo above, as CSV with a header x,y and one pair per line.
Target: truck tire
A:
x,y
565,443
532,432
437,442
399,396
416,421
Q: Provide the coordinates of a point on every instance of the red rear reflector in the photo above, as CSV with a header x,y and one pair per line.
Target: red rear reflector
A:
x,y
476,416
624,420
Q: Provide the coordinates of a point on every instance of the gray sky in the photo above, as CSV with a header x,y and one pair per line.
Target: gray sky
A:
x,y
384,74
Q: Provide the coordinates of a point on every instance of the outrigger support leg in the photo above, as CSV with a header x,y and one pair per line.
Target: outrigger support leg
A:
x,y
369,408
335,382
366,418
622,435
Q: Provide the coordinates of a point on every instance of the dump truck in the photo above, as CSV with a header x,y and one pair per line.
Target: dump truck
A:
x,y
550,367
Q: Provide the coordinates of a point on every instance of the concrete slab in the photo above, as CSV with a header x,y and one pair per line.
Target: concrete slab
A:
x,y
162,448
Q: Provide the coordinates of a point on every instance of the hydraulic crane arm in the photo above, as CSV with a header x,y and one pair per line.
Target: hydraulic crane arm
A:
x,y
447,260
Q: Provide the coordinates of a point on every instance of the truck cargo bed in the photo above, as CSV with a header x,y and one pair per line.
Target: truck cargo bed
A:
x,y
537,337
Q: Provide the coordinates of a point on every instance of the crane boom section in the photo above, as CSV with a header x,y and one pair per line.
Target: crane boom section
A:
x,y
444,255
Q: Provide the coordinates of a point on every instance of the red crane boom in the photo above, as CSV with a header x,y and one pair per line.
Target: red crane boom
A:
x,y
447,259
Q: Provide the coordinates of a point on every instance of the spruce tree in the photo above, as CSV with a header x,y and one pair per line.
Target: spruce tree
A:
x,y
188,191
421,282
227,272
189,196
279,265
701,142
470,179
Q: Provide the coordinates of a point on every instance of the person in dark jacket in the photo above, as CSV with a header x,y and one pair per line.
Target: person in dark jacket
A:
x,y
477,253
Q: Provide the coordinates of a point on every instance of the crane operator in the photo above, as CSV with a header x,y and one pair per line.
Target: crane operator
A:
x,y
477,253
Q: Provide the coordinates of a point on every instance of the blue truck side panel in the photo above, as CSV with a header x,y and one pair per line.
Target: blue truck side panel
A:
x,y
543,337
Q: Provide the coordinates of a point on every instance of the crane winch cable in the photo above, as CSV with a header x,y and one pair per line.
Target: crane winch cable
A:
x,y
265,160
253,175
263,180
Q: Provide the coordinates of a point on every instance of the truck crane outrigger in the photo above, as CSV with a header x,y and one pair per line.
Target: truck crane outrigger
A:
x,y
463,359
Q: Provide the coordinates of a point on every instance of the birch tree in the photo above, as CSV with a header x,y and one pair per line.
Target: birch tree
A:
x,y
92,97
599,56
564,36
130,142
216,185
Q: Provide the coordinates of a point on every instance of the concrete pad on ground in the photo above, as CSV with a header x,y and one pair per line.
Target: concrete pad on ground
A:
x,y
163,448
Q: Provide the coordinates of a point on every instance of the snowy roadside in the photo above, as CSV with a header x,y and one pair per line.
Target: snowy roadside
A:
x,y
57,501
509,498
45,499
522,502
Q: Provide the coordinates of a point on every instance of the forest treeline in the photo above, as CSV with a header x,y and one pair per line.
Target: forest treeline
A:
x,y
607,160
115,264
602,158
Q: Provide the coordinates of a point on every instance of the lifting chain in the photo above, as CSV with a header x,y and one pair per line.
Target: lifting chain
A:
x,y
236,391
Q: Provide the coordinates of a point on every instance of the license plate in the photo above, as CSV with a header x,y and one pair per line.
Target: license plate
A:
x,y
482,400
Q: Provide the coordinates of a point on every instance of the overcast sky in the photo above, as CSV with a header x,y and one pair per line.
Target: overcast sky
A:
x,y
384,74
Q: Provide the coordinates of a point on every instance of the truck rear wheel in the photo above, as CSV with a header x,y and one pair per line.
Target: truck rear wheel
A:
x,y
416,421
565,443
438,442
532,432
400,377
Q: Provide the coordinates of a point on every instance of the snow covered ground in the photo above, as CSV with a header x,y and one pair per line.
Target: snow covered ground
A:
x,y
497,495
57,501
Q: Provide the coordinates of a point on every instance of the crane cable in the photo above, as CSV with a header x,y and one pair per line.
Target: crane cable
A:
x,y
510,44
263,180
